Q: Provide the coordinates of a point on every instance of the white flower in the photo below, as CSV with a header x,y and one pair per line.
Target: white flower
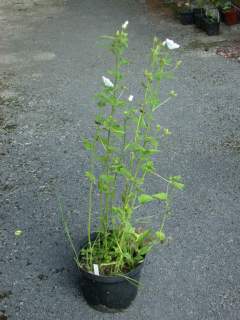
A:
x,y
107,82
171,44
130,98
18,232
124,26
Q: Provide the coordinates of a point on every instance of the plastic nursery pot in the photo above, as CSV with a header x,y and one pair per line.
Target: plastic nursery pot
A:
x,y
109,293
198,14
221,14
211,27
186,17
230,17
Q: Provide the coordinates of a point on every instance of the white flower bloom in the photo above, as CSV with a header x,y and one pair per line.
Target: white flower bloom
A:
x,y
171,44
107,82
18,232
124,26
130,98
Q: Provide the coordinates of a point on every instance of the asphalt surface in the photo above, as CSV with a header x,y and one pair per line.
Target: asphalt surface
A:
x,y
51,63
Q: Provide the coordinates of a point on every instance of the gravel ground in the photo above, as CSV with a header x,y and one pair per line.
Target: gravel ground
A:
x,y
51,63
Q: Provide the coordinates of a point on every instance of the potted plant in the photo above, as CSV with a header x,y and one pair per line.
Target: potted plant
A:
x,y
229,13
186,13
211,23
199,13
122,149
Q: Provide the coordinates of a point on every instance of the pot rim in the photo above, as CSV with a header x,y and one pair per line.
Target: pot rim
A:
x,y
111,278
209,22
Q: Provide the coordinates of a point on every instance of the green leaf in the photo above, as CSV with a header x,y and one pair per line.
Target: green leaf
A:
x,y
144,250
154,102
126,173
128,210
148,75
127,256
143,236
129,228
145,198
102,99
166,132
152,141
112,149
159,74
161,196
99,119
105,183
90,176
138,181
87,144
161,236
117,210
123,61
117,130
148,166
176,182
177,185
135,147
149,152
177,178
102,159
111,124
129,195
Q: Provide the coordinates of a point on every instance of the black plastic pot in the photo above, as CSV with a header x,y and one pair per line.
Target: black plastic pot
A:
x,y
198,14
109,293
221,15
186,17
211,27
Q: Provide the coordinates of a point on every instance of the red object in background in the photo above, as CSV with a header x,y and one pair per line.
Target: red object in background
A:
x,y
231,17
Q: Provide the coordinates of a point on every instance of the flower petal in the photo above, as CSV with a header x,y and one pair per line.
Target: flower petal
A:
x,y
125,25
171,44
130,98
18,232
107,82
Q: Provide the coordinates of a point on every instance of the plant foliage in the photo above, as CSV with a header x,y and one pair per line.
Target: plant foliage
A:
x,y
124,145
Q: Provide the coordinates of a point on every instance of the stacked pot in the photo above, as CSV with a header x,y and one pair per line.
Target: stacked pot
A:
x,y
209,19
